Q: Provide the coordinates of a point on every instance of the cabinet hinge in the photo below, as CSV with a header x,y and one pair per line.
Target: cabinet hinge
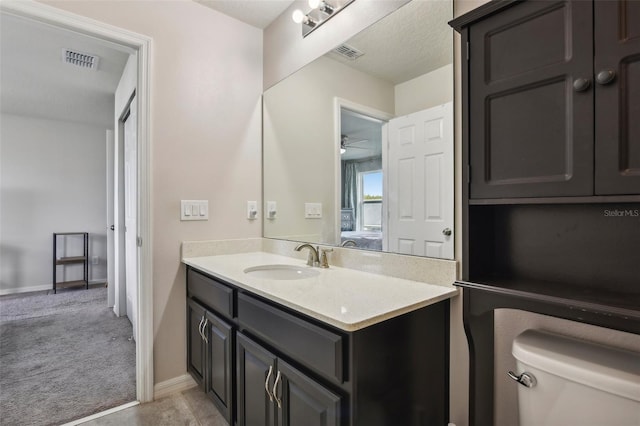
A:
x,y
468,54
139,241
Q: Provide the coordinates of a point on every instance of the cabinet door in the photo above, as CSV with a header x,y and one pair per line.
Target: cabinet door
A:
x,y
617,41
219,363
530,131
195,343
256,371
305,402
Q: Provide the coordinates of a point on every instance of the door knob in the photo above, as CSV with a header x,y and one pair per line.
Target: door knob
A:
x,y
581,84
605,77
446,232
112,227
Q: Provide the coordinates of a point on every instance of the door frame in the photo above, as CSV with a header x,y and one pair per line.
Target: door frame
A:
x,y
338,105
141,45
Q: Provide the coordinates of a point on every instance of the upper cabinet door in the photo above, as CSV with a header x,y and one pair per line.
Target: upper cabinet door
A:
x,y
531,101
617,91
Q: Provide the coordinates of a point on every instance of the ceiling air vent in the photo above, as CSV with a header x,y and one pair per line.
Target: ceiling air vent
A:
x,y
348,52
82,60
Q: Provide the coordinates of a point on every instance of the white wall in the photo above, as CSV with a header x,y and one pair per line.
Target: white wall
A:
x,y
206,83
299,156
51,180
438,84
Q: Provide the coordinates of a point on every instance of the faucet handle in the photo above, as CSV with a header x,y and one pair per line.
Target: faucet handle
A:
x,y
324,262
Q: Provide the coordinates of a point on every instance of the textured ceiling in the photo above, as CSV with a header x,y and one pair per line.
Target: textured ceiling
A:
x,y
259,13
36,82
409,42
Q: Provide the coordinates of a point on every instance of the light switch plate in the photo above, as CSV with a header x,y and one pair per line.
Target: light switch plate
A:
x,y
194,209
313,210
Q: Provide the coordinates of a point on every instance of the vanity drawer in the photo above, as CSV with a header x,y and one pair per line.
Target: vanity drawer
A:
x,y
312,346
210,292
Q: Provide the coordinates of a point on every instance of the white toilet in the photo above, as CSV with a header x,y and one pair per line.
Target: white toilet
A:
x,y
575,383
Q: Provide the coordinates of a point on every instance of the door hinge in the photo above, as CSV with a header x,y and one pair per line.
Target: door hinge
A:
x,y
468,54
139,241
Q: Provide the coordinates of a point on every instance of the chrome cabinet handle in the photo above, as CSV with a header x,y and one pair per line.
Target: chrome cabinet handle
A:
x,y
204,326
275,390
200,328
605,77
266,383
581,84
525,379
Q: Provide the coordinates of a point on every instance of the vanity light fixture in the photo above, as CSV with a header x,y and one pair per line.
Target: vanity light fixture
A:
x,y
320,12
322,5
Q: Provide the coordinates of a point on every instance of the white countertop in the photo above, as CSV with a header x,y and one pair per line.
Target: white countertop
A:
x,y
345,298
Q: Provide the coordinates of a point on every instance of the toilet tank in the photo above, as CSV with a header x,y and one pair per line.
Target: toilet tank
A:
x,y
577,383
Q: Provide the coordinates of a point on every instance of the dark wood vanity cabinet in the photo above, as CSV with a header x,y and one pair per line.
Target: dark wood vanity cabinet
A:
x,y
551,141
553,93
210,341
272,392
264,364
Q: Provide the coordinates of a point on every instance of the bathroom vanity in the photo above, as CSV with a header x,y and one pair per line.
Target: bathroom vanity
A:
x,y
337,347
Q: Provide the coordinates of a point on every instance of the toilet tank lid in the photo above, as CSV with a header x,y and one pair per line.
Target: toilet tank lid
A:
x,y
613,370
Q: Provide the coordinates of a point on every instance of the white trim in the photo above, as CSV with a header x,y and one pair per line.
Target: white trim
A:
x,y
338,104
30,289
102,413
44,287
142,45
177,384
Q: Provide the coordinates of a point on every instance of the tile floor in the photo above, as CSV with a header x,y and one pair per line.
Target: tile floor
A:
x,y
189,408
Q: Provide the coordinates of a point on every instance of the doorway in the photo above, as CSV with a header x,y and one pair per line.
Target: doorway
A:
x,y
140,45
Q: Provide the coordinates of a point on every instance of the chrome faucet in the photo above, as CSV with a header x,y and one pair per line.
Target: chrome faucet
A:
x,y
317,256
312,258
347,243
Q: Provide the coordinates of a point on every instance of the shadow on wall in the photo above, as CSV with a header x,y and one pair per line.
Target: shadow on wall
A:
x,y
10,258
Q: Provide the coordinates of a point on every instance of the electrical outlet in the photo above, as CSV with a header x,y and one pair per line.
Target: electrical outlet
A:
x,y
272,209
252,210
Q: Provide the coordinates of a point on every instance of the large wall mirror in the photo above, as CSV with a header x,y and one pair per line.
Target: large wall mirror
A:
x,y
358,145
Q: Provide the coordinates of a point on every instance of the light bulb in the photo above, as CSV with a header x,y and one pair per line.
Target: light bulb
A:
x,y
314,4
298,16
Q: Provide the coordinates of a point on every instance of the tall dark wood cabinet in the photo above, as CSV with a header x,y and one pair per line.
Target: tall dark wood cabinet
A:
x,y
617,91
551,162
553,90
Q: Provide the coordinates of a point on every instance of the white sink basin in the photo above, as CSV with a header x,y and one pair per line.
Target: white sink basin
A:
x,y
281,272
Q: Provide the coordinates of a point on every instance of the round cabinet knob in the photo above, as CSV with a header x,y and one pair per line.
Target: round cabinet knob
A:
x,y
446,232
605,77
581,84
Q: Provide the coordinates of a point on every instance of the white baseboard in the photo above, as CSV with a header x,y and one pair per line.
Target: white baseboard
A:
x,y
6,291
177,384
44,287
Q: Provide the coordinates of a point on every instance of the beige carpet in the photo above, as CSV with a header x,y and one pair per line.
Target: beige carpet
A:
x,y
63,357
